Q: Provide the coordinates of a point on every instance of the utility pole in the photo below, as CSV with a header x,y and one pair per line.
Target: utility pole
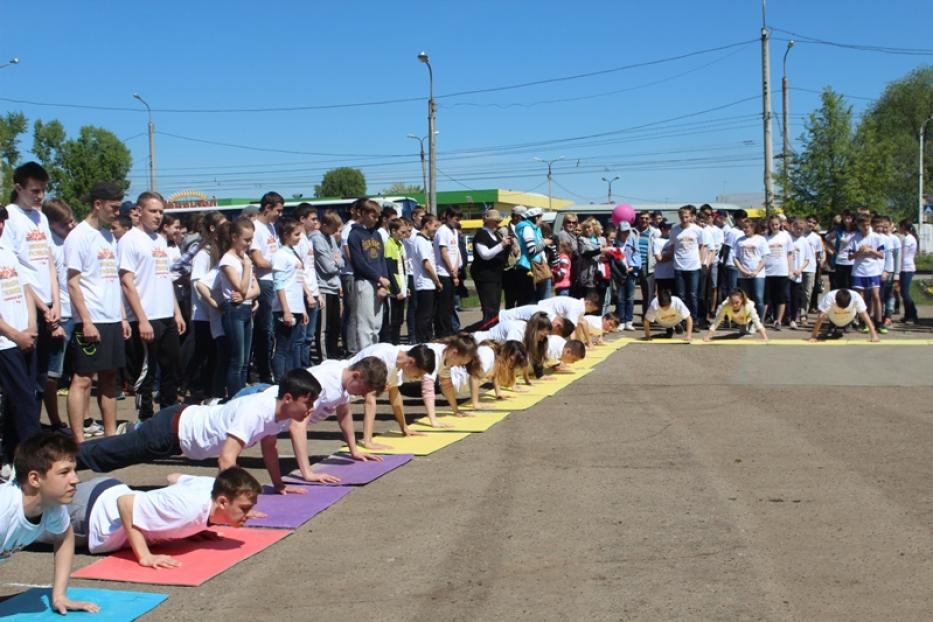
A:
x,y
609,181
549,163
923,131
785,109
766,111
432,111
152,172
424,172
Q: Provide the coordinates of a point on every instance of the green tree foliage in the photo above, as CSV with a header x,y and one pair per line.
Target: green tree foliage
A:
x,y
895,120
342,182
11,126
823,176
402,189
76,164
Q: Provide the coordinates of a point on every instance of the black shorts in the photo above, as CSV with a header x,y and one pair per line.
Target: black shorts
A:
x,y
775,290
108,353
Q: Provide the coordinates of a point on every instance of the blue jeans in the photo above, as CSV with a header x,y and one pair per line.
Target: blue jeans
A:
x,y
625,300
237,323
728,281
687,287
310,336
543,289
152,439
262,339
910,309
288,343
755,290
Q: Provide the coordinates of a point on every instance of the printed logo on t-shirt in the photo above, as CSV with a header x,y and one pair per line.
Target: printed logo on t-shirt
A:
x,y
38,245
373,248
272,244
776,248
687,240
108,264
161,262
10,287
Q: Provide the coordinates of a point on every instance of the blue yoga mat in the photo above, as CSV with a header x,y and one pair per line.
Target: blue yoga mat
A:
x,y
115,605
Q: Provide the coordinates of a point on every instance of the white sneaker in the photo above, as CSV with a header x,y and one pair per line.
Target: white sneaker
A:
x,y
793,325
124,427
93,429
629,326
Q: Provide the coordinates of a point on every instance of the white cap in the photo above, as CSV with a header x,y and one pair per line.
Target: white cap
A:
x,y
534,212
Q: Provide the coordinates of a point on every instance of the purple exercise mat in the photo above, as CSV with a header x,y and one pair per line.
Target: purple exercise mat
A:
x,y
352,472
292,510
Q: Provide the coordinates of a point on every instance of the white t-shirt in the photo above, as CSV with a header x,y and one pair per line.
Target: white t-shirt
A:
x,y
687,242
13,308
58,252
446,237
200,266
460,378
16,531
409,244
203,430
892,243
306,251
521,313
423,250
669,317
908,254
842,257
565,306
749,251
509,330
554,350
714,241
287,266
330,375
836,314
174,254
816,244
92,252
780,245
867,266
266,242
662,269
146,256
803,254
226,287
27,234
171,513
595,322
388,354
730,237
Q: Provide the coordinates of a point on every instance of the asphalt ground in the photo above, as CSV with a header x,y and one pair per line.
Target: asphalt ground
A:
x,y
672,482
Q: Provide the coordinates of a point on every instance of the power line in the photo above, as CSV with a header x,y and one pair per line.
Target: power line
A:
x,y
384,102
801,38
799,88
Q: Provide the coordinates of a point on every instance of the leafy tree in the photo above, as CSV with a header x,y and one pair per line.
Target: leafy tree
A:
x,y
823,176
402,189
76,164
11,126
895,119
342,182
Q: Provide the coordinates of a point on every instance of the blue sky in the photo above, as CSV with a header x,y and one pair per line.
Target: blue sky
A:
x,y
197,56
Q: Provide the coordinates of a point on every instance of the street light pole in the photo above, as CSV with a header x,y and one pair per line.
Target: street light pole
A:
x,y
432,146
923,130
12,61
766,112
549,163
152,173
785,110
609,181
424,171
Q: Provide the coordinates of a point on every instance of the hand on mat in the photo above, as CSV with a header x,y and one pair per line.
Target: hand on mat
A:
x,y
64,604
253,514
441,424
364,457
464,413
481,406
813,340
409,432
291,490
323,478
547,378
159,561
518,389
372,445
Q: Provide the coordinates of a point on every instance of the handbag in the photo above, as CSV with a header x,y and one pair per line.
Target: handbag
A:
x,y
540,271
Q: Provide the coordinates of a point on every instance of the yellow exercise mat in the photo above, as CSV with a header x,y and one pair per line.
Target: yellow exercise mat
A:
x,y
512,401
479,422
417,445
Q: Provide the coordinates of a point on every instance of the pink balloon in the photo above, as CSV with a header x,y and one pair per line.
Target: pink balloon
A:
x,y
623,211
